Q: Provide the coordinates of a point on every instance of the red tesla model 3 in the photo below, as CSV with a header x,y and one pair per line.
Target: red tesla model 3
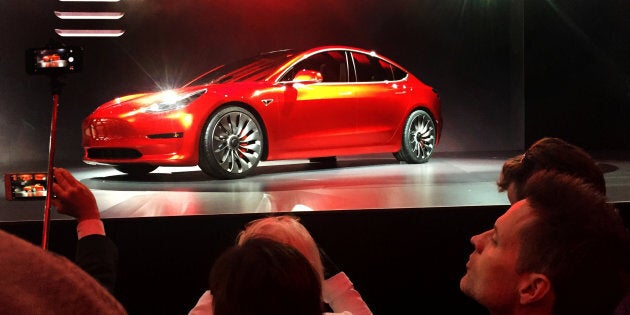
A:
x,y
313,104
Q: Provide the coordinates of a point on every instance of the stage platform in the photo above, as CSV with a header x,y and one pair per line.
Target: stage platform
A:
x,y
356,182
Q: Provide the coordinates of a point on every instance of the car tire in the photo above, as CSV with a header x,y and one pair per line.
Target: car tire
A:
x,y
138,169
231,143
418,140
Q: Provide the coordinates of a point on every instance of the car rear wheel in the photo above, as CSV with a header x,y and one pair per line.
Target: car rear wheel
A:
x,y
136,169
231,144
419,136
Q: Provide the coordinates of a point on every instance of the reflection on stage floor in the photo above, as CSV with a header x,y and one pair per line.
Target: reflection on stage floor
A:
x,y
354,183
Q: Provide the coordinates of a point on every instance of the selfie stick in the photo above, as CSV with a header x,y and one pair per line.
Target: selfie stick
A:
x,y
55,85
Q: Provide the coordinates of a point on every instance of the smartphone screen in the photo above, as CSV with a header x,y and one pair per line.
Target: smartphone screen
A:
x,y
54,60
25,185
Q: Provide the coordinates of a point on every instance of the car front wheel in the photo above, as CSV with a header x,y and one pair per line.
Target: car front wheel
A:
x,y
419,136
231,144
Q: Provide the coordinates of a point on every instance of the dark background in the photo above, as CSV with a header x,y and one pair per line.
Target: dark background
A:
x,y
508,72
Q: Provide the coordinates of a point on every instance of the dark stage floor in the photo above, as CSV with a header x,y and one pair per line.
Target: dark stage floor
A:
x,y
357,182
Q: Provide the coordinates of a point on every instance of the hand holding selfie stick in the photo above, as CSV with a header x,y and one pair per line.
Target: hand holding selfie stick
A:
x,y
53,60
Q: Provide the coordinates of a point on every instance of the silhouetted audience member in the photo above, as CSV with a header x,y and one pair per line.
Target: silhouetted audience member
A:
x,y
35,281
264,277
557,155
549,154
337,289
95,252
338,292
563,250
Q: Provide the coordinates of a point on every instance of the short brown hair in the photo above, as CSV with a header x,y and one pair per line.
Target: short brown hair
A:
x,y
578,240
551,154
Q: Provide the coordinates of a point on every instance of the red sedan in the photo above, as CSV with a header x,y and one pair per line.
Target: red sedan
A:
x,y
314,104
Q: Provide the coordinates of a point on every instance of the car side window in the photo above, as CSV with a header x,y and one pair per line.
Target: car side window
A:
x,y
333,66
373,69
399,74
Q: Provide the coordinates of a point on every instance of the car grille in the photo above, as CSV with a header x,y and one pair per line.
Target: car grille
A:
x,y
106,154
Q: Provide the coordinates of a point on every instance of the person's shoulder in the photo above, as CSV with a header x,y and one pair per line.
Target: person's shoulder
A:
x,y
624,306
48,281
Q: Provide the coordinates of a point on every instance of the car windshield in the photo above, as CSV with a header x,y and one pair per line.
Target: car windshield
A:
x,y
253,69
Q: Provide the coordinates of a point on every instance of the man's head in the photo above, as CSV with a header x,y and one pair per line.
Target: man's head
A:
x,y
288,230
264,277
561,250
549,154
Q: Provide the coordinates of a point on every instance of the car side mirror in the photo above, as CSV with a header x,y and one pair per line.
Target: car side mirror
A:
x,y
308,76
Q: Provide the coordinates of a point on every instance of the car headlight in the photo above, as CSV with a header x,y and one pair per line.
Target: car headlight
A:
x,y
173,101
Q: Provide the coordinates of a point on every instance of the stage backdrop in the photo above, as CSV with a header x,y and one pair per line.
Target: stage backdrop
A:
x,y
475,53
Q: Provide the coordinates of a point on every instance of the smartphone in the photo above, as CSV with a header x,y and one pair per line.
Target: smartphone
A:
x,y
54,60
25,185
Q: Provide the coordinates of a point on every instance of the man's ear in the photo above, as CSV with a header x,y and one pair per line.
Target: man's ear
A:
x,y
534,287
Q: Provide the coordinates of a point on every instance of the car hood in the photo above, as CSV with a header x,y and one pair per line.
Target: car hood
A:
x,y
141,100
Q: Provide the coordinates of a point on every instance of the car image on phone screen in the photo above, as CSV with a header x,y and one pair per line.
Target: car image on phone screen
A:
x,y
25,185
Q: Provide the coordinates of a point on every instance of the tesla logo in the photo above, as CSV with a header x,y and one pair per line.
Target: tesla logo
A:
x,y
267,101
89,15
